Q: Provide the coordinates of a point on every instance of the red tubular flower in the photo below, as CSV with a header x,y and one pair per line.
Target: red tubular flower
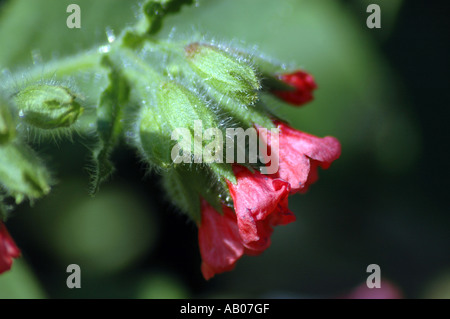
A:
x,y
300,154
304,85
219,240
260,203
8,249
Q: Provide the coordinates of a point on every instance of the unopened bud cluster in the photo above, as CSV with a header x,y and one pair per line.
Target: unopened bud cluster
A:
x,y
188,105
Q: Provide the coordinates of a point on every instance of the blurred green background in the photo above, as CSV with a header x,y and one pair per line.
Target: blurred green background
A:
x,y
382,92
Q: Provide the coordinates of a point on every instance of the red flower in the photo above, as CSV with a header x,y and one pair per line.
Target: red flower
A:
x,y
219,240
304,85
260,202
300,154
8,249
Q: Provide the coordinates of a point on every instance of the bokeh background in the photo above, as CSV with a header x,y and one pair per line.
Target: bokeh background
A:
x,y
384,93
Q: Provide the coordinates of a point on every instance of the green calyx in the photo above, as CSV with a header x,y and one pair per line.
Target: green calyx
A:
x,y
22,175
228,75
176,115
47,106
185,185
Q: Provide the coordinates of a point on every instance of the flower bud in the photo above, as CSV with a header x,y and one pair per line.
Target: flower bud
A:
x,y
230,76
21,173
7,126
302,87
48,106
179,115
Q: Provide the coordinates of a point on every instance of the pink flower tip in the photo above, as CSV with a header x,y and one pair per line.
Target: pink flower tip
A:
x,y
8,249
303,86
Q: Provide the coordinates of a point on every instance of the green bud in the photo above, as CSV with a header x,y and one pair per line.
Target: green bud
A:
x,y
22,175
7,126
48,106
228,75
178,114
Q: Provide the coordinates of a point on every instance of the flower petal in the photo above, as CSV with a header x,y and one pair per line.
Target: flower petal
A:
x,y
303,84
8,249
256,197
219,240
300,154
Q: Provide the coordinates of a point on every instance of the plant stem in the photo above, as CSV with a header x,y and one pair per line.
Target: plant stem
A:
x,y
84,61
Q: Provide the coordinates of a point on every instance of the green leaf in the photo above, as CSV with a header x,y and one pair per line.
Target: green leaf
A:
x,y
156,10
110,116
